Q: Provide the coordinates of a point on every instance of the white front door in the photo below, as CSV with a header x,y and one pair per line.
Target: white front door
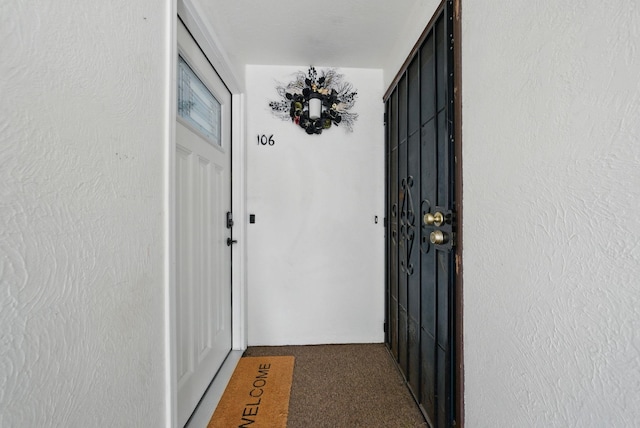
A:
x,y
203,198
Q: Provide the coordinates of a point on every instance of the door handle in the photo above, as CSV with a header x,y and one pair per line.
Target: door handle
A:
x,y
435,219
438,237
231,241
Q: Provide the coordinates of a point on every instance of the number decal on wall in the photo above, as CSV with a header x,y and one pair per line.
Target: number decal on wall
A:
x,y
263,140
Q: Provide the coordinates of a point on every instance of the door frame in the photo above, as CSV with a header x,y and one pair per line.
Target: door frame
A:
x,y
190,14
458,166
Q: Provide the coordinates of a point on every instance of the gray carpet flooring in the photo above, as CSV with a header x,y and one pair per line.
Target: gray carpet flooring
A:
x,y
340,386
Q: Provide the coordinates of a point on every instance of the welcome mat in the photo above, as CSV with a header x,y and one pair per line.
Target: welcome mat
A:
x,y
257,394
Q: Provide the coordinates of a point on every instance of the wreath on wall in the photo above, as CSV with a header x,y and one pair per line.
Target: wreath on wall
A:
x,y
315,103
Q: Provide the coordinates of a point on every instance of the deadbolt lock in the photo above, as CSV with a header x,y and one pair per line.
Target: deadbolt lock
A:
x,y
435,219
438,237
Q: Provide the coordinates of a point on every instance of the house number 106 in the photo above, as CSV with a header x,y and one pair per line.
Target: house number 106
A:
x,y
263,140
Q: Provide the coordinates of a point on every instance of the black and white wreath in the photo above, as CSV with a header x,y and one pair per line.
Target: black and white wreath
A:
x,y
336,95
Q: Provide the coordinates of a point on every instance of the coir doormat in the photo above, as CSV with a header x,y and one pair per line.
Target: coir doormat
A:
x,y
257,394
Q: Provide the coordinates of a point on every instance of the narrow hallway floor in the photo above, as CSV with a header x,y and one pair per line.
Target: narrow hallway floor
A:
x,y
338,386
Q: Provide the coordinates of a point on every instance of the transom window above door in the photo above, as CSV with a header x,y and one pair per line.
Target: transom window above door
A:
x,y
197,105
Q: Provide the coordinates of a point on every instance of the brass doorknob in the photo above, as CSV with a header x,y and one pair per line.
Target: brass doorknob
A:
x,y
436,218
438,237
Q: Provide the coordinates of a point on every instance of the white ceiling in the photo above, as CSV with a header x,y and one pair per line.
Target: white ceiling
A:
x,y
337,33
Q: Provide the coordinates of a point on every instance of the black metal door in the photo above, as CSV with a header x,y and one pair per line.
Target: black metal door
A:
x,y
421,221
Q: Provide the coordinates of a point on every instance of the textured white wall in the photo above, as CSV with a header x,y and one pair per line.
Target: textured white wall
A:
x,y
316,257
82,146
551,124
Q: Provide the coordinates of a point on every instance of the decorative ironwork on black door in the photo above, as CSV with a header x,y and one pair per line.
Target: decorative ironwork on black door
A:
x,y
421,206
407,225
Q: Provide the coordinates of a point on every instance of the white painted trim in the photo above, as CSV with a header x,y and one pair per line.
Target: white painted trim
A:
x,y
238,206
190,12
170,349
